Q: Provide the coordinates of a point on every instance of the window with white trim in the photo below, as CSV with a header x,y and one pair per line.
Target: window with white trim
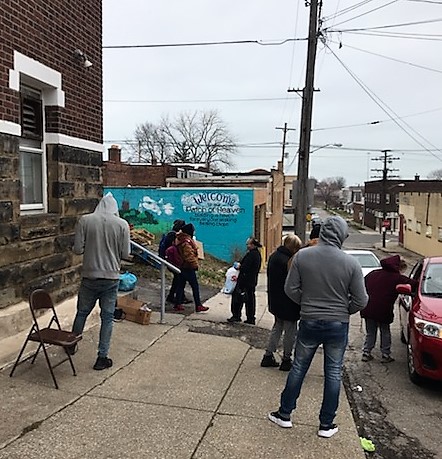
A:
x,y
429,231
32,160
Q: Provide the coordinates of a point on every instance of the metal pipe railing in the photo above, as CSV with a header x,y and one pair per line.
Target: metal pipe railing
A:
x,y
163,265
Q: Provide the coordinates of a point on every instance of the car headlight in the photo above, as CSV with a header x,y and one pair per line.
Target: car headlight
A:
x,y
428,328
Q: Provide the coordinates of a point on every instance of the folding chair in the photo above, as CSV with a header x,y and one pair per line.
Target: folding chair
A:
x,y
41,300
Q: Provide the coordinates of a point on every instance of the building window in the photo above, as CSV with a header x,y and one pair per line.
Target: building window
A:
x,y
439,234
32,160
429,232
387,198
378,198
418,227
410,224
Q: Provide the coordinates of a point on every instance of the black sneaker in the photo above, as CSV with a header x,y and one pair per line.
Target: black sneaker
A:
x,y
327,431
366,357
275,417
233,319
250,321
269,361
286,365
102,363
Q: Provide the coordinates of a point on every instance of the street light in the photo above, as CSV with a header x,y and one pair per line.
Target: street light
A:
x,y
337,145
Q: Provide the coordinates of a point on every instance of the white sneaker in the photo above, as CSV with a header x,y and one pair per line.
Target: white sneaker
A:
x,y
275,417
327,431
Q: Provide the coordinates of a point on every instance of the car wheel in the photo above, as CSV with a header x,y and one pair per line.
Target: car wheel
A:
x,y
415,378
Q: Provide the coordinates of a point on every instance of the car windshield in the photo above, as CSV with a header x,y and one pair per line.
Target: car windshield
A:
x,y
432,280
366,260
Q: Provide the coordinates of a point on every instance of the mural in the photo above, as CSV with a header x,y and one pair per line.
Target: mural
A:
x,y
223,218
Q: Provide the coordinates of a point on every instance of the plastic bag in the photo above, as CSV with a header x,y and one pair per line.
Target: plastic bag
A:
x,y
128,281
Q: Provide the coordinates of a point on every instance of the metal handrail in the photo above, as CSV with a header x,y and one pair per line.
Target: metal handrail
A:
x,y
163,265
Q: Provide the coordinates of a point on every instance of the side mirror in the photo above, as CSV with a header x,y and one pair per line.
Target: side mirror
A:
x,y
405,289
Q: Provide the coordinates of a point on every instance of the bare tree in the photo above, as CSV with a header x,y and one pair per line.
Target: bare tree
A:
x,y
435,175
200,137
329,190
151,145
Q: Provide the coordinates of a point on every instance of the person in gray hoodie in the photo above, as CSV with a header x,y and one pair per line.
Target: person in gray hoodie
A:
x,y
102,237
329,286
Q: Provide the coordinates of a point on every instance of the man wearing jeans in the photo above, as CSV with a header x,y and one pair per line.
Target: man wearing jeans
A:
x,y
103,239
329,286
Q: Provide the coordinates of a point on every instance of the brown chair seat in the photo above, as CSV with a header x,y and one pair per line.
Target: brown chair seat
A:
x,y
56,337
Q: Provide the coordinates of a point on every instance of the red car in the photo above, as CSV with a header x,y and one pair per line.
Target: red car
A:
x,y
420,315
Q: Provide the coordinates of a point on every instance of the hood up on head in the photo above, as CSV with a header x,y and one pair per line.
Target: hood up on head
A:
x,y
391,263
107,205
334,231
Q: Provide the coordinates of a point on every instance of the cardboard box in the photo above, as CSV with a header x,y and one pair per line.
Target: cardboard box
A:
x,y
133,310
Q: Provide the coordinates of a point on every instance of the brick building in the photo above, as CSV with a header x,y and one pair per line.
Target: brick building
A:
x,y
50,140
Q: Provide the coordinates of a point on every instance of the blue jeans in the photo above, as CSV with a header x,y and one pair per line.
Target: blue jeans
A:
x,y
312,333
105,291
188,275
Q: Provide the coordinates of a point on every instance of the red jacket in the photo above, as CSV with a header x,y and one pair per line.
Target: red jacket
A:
x,y
381,289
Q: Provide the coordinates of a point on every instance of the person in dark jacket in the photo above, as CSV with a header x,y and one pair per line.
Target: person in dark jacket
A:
x,y
169,239
245,287
285,310
381,289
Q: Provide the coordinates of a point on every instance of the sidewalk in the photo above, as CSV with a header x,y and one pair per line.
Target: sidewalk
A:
x,y
184,389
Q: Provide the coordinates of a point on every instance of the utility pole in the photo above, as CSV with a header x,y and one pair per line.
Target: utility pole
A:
x,y
284,135
306,124
386,160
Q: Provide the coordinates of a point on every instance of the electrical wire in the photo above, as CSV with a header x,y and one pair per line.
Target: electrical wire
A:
x,y
366,13
377,121
346,10
157,101
427,37
383,106
391,58
389,26
209,43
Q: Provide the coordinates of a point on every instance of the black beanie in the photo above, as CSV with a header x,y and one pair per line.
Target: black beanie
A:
x,y
177,225
188,229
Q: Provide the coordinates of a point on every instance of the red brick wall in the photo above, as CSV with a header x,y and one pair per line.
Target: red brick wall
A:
x,y
49,32
120,174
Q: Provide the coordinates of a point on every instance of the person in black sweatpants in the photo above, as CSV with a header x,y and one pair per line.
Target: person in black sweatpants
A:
x,y
245,288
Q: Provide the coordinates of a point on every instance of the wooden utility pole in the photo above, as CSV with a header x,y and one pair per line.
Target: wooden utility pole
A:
x,y
386,160
306,124
284,136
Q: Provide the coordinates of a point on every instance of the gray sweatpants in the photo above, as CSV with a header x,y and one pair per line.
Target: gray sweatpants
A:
x,y
371,327
290,330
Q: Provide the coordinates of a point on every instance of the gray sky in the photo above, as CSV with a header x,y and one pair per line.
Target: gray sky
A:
x,y
172,80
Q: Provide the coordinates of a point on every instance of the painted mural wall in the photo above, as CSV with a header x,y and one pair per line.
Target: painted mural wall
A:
x,y
223,218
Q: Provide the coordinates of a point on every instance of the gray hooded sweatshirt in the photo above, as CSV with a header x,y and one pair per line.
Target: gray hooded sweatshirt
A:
x,y
325,281
103,239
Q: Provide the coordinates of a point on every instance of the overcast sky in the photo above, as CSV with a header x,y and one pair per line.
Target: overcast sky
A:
x,y
143,84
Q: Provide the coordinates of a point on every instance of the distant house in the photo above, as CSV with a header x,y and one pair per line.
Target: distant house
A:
x,y
50,140
420,208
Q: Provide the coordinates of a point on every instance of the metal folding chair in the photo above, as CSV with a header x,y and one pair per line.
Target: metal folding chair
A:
x,y
41,300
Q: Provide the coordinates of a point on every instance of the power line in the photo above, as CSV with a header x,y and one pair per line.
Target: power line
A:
x,y
388,26
381,105
156,101
427,37
366,13
208,43
376,122
423,67
346,10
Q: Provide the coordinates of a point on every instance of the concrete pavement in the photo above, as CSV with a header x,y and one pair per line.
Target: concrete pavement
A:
x,y
189,388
